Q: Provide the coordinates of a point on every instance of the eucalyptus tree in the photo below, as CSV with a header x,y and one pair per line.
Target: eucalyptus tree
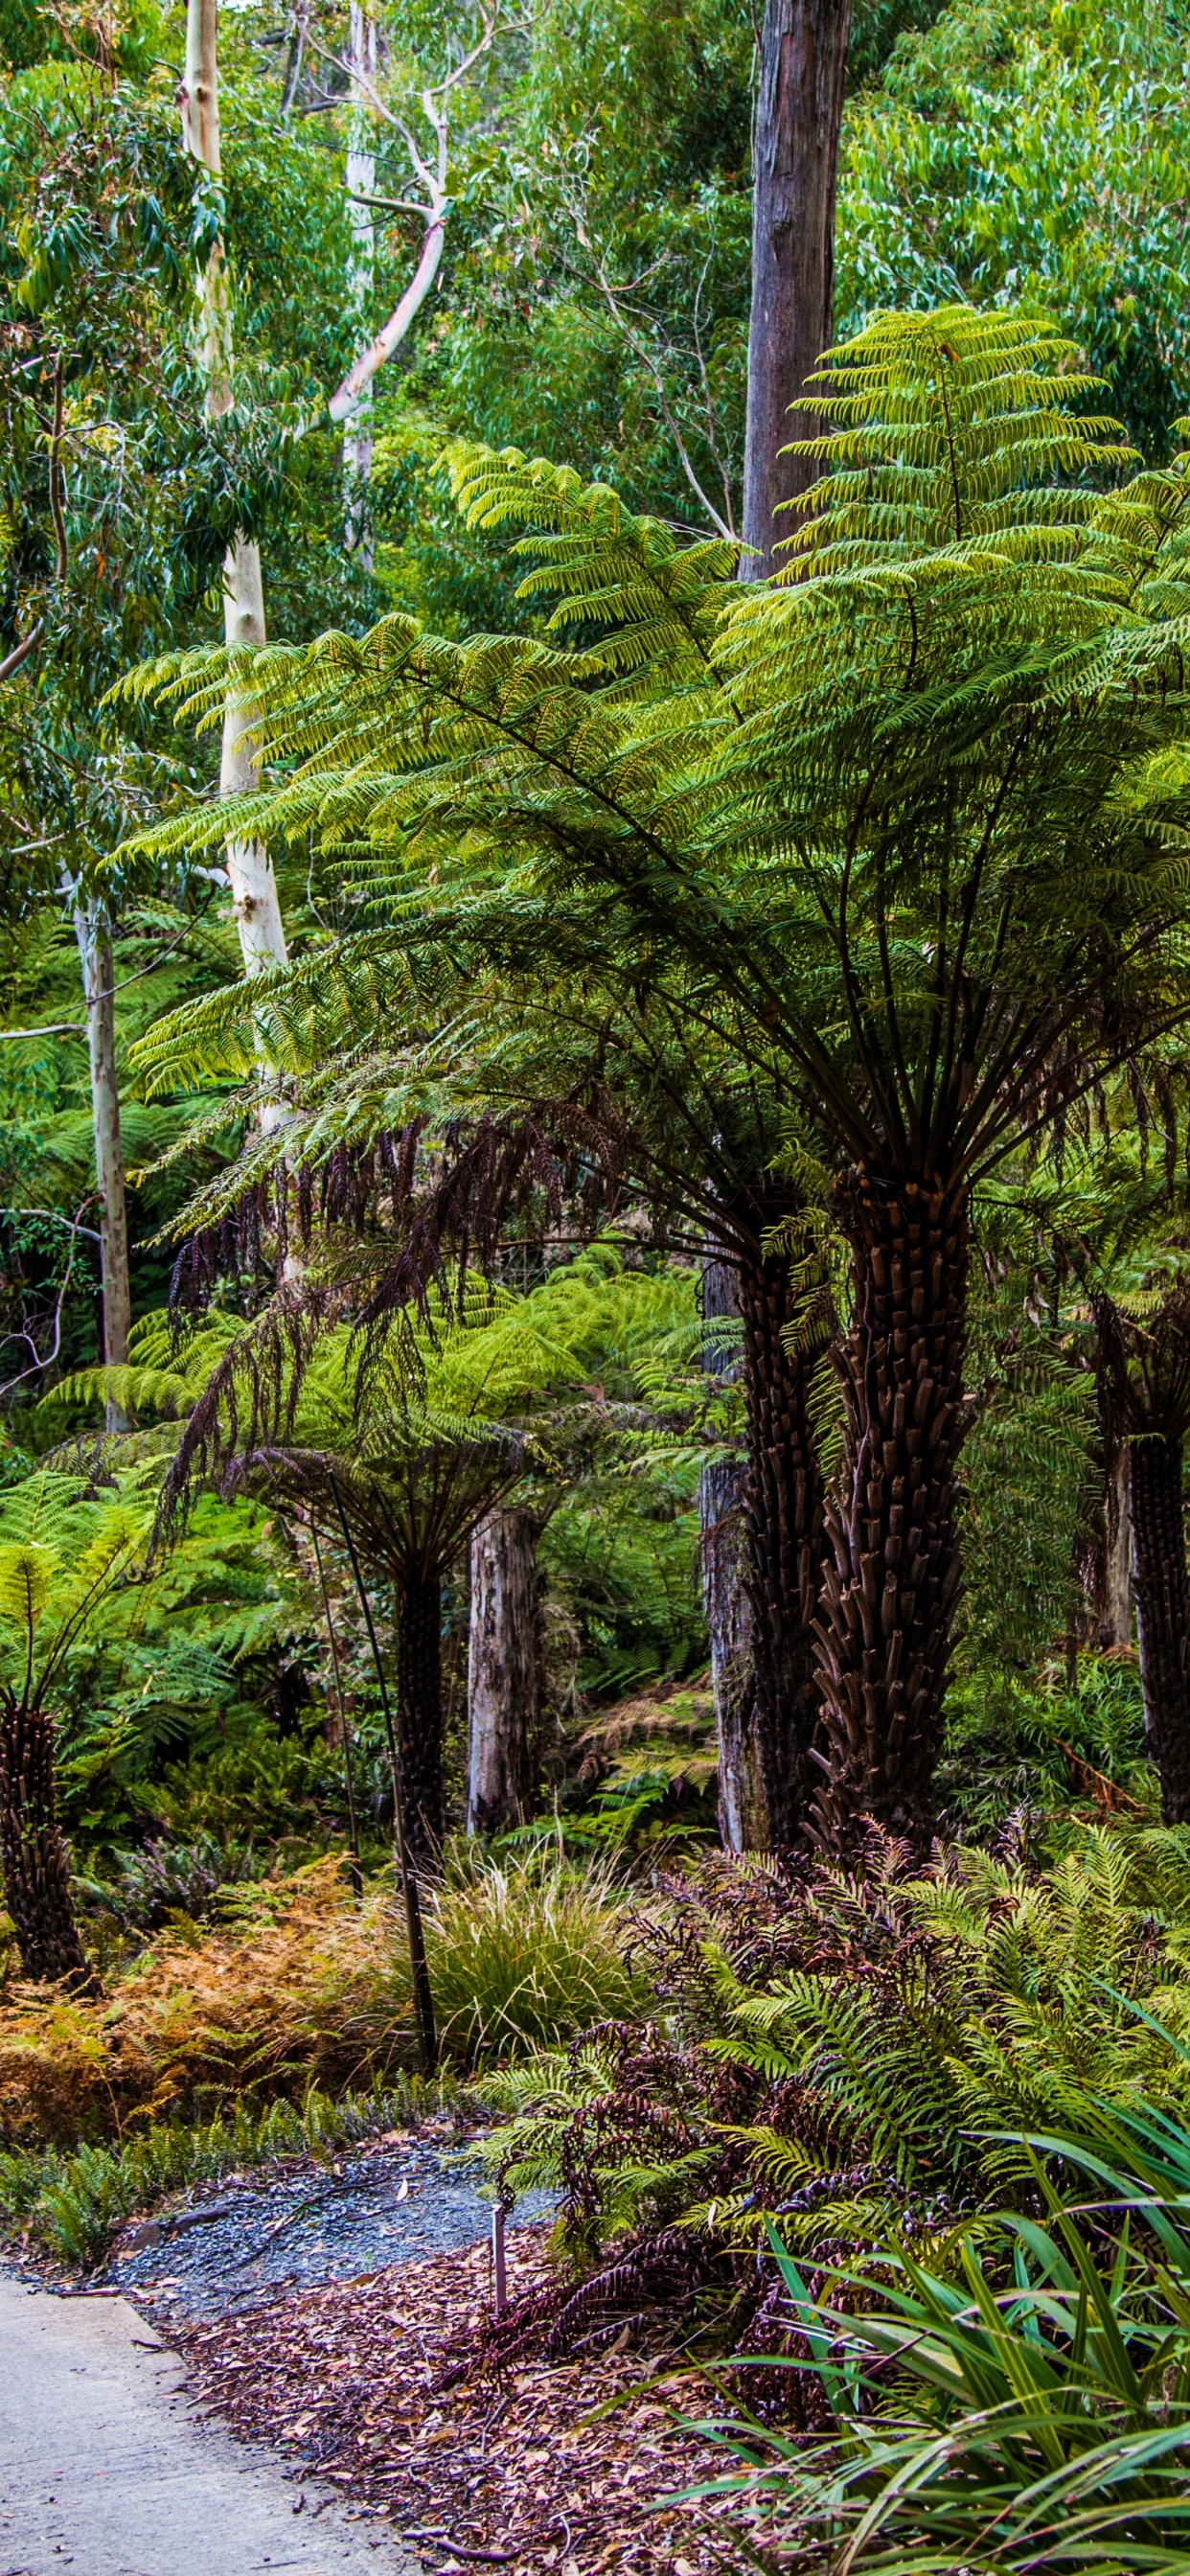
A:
x,y
896,829
795,158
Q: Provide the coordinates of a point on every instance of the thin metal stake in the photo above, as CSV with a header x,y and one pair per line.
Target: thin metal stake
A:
x,y
423,2001
498,2265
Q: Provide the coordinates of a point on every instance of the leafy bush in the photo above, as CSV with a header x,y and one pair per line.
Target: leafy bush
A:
x,y
524,1952
1034,2412
1036,1746
830,2047
298,1987
151,1886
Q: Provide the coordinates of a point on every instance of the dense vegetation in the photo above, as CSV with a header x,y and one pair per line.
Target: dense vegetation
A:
x,y
595,1144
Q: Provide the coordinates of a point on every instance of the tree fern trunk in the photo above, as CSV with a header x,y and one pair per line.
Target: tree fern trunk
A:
x,y
1163,1614
36,1865
891,1574
502,1684
799,107
783,1524
419,1680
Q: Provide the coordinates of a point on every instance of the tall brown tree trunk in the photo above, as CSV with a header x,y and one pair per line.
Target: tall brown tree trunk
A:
x,y
1163,1614
891,1574
783,1526
799,108
502,1681
419,1714
34,1855
94,938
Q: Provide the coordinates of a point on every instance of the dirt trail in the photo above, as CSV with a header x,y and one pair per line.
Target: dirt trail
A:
x,y
104,2470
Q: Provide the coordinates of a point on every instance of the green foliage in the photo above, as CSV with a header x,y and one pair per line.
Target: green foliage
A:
x,y
1033,155
73,2204
856,2053
1035,2409
524,1952
64,1551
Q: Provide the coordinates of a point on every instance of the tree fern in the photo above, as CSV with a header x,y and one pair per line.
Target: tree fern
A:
x,y
916,867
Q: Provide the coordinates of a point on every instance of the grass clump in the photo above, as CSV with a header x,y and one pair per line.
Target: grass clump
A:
x,y
525,1952
1028,2407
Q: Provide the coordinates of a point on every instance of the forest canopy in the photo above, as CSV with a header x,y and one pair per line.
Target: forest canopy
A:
x,y
595,1140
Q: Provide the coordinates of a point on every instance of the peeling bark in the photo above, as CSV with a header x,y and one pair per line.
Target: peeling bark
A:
x,y
95,951
1115,1622
503,1693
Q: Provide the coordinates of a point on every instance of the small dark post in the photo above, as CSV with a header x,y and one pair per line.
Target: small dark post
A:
x,y
499,2271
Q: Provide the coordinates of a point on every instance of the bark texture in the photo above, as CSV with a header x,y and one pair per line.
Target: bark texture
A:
x,y
743,1823
803,60
361,187
419,1714
892,1568
95,951
743,1820
1163,1614
1115,1621
502,1675
36,1864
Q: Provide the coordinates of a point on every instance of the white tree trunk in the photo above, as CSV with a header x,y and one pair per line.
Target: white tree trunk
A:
x,y
361,186
93,934
254,895
502,1678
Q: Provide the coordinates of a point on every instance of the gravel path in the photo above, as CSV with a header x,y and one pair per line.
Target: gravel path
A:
x,y
304,2223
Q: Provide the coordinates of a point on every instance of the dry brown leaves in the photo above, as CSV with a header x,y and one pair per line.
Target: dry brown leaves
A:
x,y
302,1988
515,2472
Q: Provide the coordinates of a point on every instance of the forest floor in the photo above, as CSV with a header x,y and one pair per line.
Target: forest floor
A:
x,y
316,2307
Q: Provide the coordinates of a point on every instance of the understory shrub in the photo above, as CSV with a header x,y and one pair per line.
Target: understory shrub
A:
x,y
836,2049
1028,2408
525,1952
295,1985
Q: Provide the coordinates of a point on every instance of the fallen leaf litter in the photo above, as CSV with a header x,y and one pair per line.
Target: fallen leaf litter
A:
x,y
509,2473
